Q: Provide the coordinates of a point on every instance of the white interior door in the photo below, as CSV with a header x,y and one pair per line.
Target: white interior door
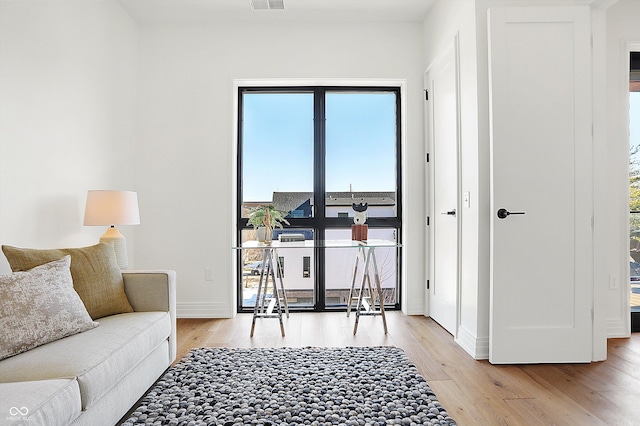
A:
x,y
442,83
541,164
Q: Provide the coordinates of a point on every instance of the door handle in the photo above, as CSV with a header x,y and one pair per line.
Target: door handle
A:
x,y
504,213
450,212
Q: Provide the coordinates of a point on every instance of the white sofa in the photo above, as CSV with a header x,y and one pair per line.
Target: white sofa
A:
x,y
95,377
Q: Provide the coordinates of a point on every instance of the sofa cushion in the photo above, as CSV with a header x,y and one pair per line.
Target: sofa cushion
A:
x,y
99,358
43,402
39,306
95,271
115,403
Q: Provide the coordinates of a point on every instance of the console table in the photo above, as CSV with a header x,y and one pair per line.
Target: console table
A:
x,y
364,294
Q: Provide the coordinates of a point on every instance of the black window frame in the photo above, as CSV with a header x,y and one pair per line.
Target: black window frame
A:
x,y
319,222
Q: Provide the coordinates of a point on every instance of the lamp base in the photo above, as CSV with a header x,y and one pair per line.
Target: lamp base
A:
x,y
119,243
359,232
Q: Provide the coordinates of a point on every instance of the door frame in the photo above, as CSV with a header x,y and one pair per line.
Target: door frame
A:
x,y
399,86
454,44
631,47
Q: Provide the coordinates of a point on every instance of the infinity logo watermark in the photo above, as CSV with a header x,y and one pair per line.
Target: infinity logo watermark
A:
x,y
18,413
14,411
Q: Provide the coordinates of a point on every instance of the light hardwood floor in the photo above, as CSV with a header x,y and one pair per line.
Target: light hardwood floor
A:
x,y
473,392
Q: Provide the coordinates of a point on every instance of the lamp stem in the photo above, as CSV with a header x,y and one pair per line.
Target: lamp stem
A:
x,y
119,243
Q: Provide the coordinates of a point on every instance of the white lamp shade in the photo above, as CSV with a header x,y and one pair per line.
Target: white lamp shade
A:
x,y
112,208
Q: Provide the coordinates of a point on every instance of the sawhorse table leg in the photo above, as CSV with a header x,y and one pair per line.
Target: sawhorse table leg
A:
x,y
270,257
370,257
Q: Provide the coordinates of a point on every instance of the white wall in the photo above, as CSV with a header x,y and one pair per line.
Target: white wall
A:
x,y
611,148
610,143
446,20
67,98
185,140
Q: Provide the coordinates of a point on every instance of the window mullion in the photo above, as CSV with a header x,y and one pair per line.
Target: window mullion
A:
x,y
319,183
319,187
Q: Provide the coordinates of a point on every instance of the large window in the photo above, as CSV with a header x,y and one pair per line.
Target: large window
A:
x,y
312,152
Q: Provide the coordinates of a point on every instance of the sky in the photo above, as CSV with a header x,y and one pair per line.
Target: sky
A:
x,y
277,143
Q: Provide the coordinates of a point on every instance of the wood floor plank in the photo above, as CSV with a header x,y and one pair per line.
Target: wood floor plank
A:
x,y
592,385
626,356
429,366
460,403
625,407
311,333
535,411
470,406
473,392
556,398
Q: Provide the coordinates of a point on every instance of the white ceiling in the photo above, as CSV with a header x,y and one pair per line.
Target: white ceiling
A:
x,y
295,10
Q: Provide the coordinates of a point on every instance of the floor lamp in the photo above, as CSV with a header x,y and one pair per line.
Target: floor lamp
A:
x,y
111,208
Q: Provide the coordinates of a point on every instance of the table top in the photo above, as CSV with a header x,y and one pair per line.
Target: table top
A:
x,y
275,244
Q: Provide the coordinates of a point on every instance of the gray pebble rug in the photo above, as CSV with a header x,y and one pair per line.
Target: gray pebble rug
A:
x,y
292,386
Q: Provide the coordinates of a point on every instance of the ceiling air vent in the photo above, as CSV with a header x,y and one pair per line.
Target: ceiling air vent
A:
x,y
267,4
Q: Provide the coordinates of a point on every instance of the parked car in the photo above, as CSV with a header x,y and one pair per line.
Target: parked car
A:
x,y
634,269
254,268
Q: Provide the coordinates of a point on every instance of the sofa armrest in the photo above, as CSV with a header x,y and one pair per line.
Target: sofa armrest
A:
x,y
153,291
150,290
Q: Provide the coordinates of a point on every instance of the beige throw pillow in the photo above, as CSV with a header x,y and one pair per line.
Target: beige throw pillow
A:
x,y
39,306
96,275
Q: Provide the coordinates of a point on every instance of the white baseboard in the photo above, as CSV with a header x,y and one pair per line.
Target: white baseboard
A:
x,y
414,307
477,347
618,328
204,310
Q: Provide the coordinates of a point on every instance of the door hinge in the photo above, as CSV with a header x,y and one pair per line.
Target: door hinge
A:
x,y
426,94
427,284
428,158
428,221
